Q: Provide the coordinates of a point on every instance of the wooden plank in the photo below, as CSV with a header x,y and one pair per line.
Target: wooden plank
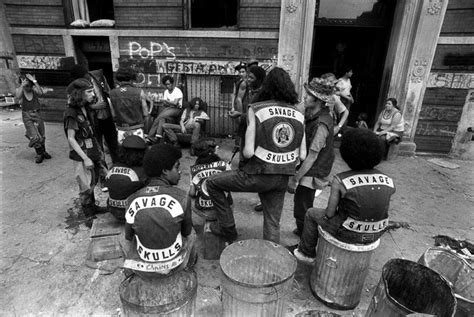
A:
x,y
105,248
105,225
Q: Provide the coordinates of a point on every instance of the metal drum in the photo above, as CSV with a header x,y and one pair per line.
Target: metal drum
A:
x,y
339,271
459,274
170,295
407,287
257,278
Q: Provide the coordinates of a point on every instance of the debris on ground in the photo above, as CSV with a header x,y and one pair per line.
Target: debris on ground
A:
x,y
393,225
443,163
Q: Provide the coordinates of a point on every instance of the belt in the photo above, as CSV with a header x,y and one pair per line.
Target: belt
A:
x,y
126,127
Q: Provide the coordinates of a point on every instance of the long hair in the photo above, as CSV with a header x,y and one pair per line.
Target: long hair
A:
x,y
278,86
76,99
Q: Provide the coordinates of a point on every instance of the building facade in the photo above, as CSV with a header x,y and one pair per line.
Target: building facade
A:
x,y
418,51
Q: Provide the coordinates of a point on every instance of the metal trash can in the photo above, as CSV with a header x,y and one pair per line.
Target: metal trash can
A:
x,y
407,287
170,295
257,277
339,271
459,274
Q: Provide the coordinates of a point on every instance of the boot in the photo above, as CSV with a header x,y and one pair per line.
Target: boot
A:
x,y
39,155
91,210
45,154
228,233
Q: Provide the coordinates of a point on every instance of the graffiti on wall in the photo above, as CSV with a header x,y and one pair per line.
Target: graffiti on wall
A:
x,y
451,80
150,71
44,62
162,49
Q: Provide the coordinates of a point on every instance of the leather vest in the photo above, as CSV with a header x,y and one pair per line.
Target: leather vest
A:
x,y
279,131
199,174
323,164
127,105
364,207
122,181
154,215
84,136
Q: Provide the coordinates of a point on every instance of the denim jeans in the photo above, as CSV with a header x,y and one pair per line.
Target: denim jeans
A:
x,y
303,200
270,188
34,133
167,113
194,129
309,237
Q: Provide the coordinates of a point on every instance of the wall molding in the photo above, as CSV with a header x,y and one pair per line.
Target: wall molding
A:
x,y
146,33
456,40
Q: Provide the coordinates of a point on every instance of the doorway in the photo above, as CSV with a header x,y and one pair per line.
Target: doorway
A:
x,y
94,53
356,37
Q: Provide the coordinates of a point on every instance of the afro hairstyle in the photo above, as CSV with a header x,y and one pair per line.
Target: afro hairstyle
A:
x,y
160,157
361,149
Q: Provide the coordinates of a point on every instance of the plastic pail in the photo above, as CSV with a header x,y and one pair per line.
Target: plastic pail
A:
x,y
170,295
339,271
407,287
458,273
257,277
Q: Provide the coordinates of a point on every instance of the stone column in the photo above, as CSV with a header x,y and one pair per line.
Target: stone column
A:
x,y
296,37
9,69
427,29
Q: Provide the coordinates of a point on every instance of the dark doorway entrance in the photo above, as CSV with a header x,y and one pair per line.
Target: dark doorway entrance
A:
x,y
94,53
344,37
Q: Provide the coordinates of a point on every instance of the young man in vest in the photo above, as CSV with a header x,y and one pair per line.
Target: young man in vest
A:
x,y
158,217
129,106
357,210
85,151
101,110
274,141
312,173
126,176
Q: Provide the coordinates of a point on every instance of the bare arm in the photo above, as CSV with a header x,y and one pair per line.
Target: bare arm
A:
x,y
303,150
377,123
37,88
71,133
249,148
144,104
238,98
307,164
344,117
336,189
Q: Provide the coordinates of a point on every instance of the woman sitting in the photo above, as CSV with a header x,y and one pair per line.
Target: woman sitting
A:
x,y
192,120
390,124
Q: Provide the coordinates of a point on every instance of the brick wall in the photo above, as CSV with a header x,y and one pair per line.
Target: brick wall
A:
x,y
459,18
26,44
259,15
136,14
45,13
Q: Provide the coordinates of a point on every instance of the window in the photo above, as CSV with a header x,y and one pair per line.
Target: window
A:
x,y
88,10
213,13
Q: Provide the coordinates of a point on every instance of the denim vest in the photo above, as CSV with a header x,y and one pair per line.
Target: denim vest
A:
x,y
199,174
323,164
278,135
127,105
364,207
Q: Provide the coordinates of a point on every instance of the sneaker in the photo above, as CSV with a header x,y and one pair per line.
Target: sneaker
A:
x,y
258,208
302,257
46,155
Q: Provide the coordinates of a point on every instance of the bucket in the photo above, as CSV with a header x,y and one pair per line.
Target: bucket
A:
x,y
459,274
407,287
339,271
170,295
257,278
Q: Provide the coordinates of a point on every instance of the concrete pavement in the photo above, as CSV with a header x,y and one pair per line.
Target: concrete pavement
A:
x,y
44,243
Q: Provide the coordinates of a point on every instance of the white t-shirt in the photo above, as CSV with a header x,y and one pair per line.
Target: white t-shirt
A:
x,y
344,86
175,94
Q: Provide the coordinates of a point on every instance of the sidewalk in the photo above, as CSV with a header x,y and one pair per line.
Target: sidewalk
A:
x,y
44,244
